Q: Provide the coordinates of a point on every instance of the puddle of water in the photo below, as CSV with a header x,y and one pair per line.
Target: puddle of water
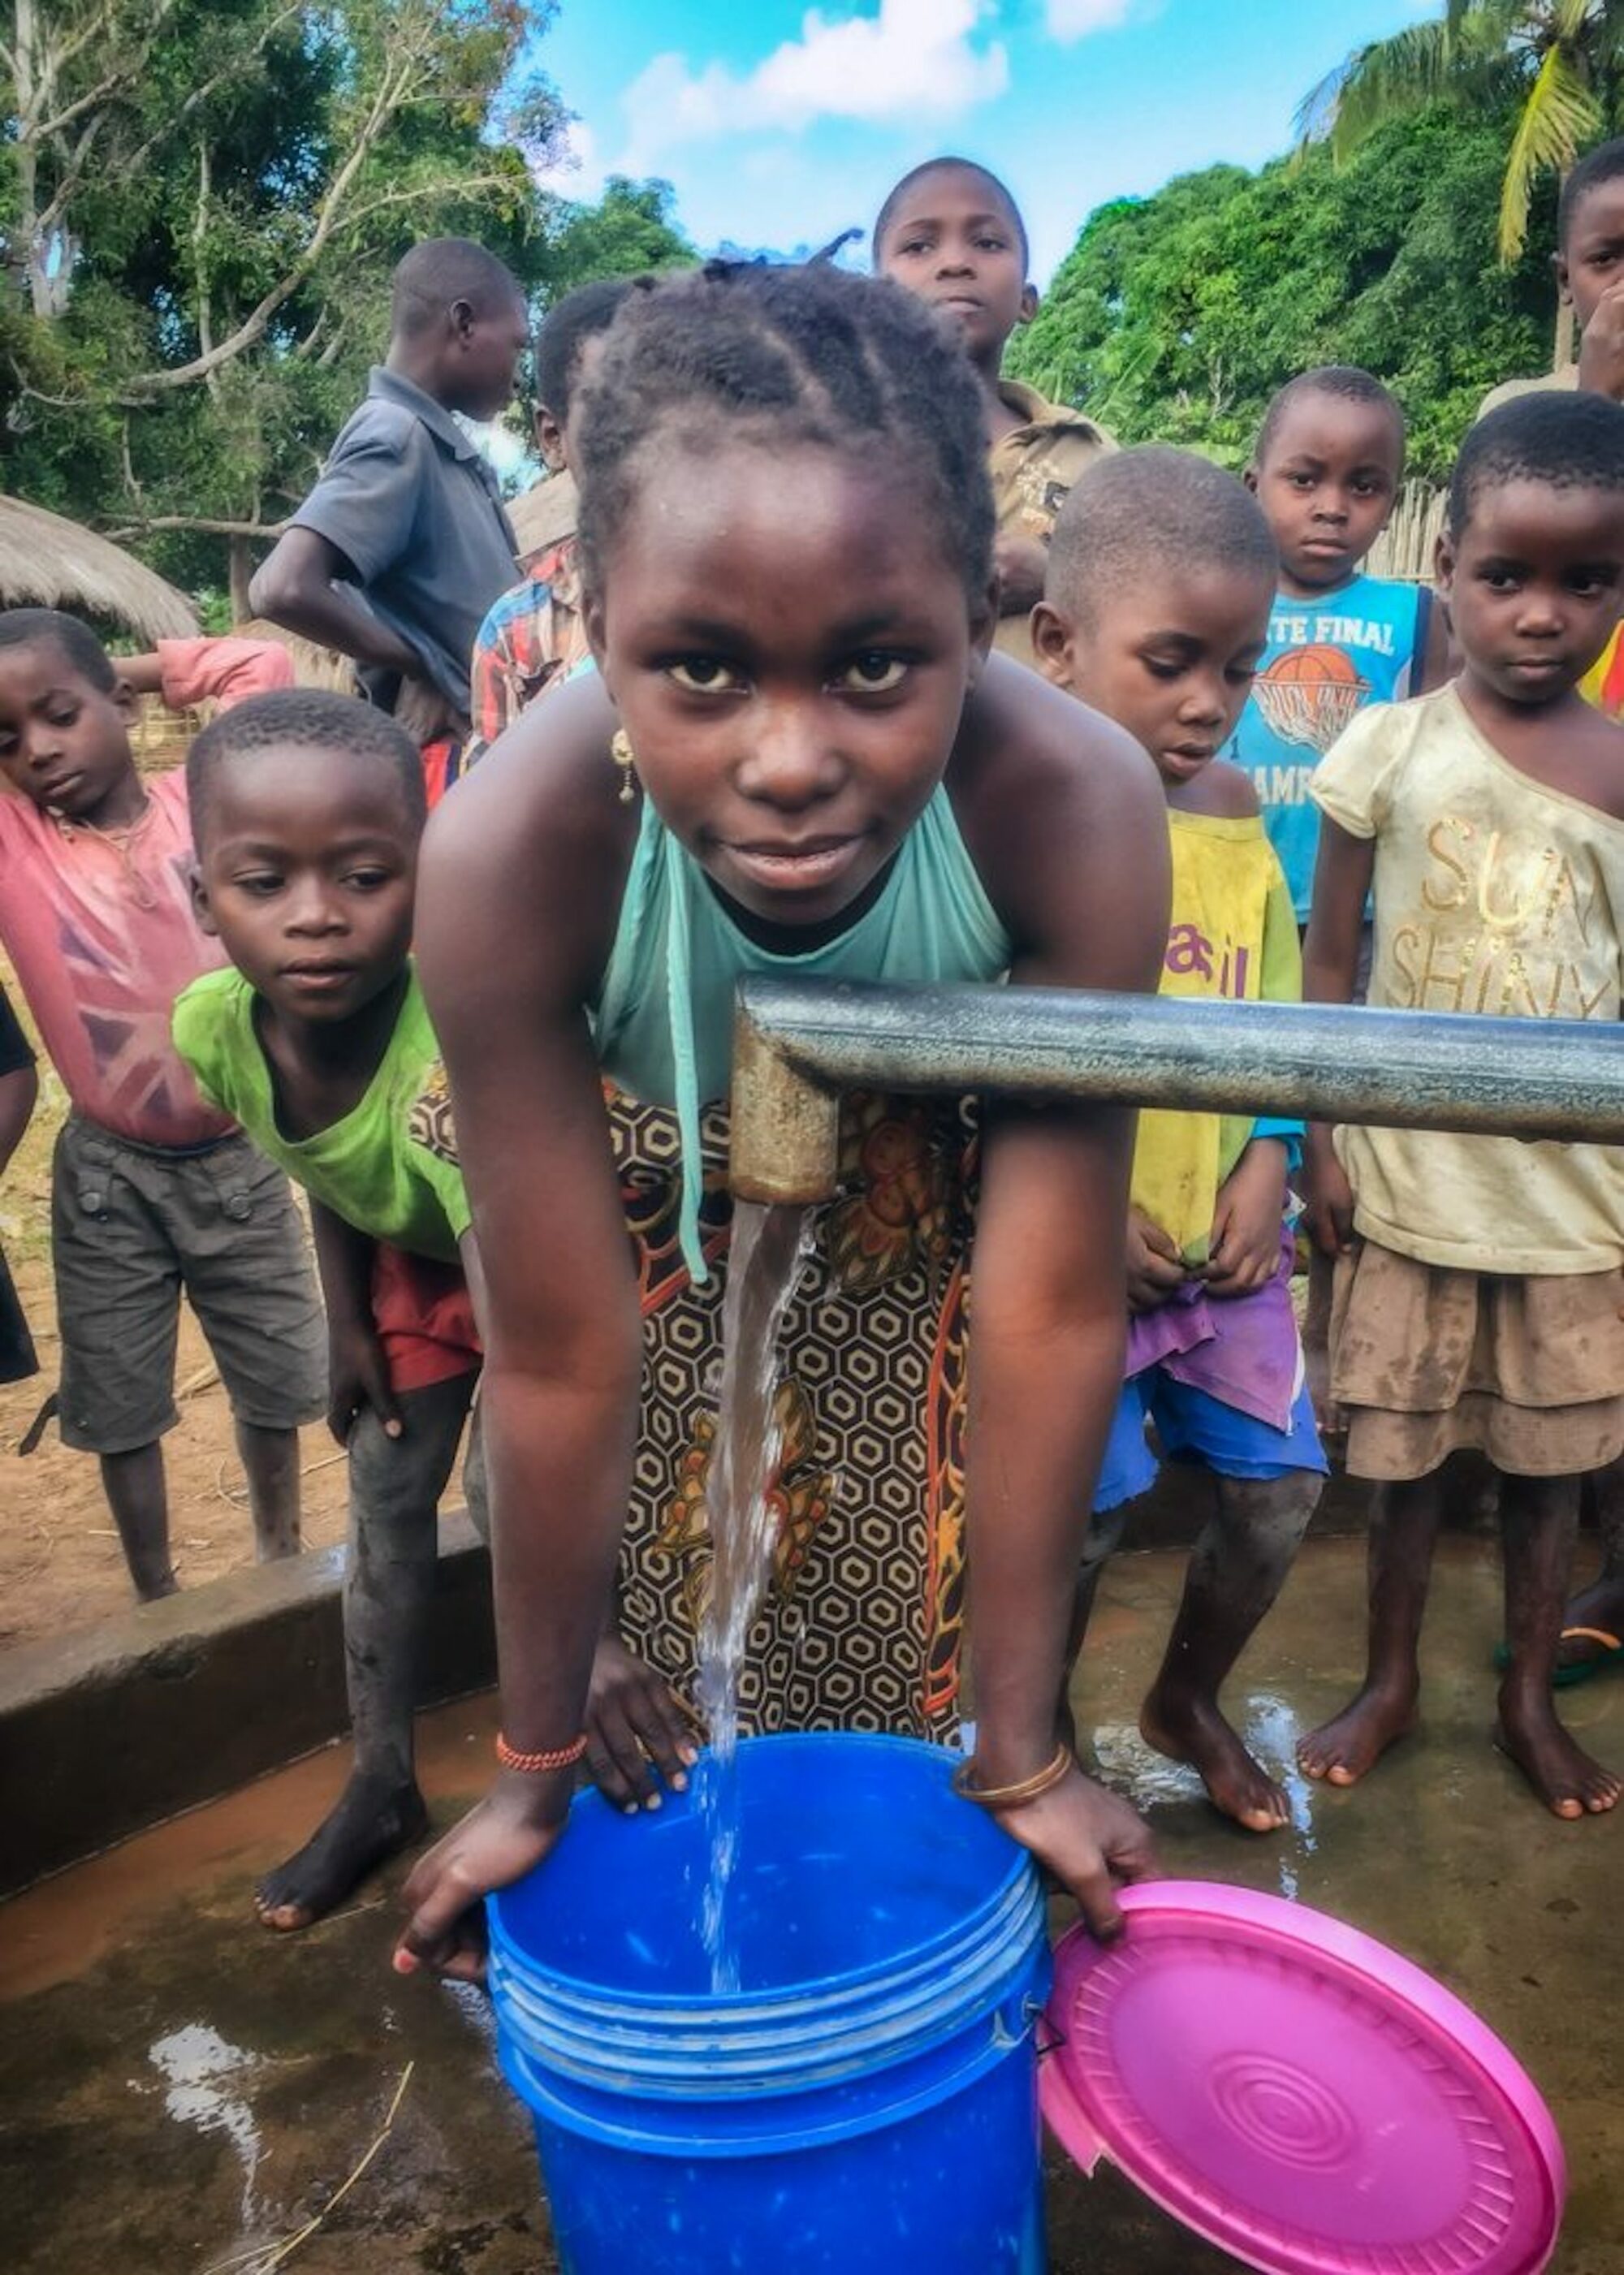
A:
x,y
1149,1777
1271,1731
200,2071
1270,1727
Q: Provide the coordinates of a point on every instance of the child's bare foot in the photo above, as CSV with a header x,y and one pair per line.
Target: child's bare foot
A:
x,y
1569,1783
370,1822
1342,1750
1190,1729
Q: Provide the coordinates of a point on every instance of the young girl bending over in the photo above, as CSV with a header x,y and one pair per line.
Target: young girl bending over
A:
x,y
797,757
1479,1294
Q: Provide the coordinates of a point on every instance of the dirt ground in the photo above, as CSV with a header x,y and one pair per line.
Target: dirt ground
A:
x,y
60,1566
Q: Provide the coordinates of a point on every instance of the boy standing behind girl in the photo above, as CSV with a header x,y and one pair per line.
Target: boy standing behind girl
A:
x,y
307,809
1155,608
535,635
1327,470
951,234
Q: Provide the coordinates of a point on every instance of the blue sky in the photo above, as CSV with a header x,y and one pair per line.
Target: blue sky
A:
x,y
780,126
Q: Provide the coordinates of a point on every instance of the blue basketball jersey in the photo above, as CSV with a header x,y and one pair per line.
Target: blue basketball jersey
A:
x,y
1326,659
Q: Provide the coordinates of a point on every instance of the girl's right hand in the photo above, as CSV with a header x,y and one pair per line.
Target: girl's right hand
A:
x,y
639,1732
1155,1268
504,1837
1330,1210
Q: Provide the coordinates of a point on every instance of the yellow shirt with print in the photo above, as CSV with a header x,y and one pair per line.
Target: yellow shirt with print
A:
x,y
1232,936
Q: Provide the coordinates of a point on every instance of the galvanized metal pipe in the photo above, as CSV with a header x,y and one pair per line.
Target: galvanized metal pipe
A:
x,y
798,1045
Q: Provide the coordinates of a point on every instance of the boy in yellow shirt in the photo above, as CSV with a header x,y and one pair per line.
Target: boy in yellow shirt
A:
x,y
1156,609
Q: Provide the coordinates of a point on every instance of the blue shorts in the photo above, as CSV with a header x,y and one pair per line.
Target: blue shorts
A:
x,y
1195,1426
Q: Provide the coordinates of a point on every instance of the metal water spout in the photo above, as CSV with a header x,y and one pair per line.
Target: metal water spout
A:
x,y
798,1045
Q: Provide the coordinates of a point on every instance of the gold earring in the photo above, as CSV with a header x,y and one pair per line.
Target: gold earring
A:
x,y
620,752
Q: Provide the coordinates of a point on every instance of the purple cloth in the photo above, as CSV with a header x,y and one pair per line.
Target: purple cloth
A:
x,y
1246,1353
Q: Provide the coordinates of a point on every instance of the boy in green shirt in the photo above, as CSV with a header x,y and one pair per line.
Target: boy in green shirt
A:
x,y
306,814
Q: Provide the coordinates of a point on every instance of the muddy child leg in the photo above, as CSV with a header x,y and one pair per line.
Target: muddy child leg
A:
x,y
1402,1536
270,1462
133,1484
1236,1572
1539,1519
395,1488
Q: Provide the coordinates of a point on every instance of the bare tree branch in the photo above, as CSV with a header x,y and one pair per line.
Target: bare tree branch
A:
x,y
395,90
198,525
51,130
138,157
73,174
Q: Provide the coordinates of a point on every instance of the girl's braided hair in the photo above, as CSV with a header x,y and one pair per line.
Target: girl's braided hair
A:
x,y
752,353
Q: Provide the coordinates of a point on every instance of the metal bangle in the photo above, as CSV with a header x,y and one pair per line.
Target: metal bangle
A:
x,y
1011,1797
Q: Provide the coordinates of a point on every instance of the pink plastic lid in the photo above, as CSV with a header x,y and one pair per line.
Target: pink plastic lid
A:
x,y
1297,2093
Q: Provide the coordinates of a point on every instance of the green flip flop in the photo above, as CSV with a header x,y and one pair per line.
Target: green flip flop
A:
x,y
1578,1670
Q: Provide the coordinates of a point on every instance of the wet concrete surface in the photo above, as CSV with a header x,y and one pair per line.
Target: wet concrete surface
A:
x,y
181,2091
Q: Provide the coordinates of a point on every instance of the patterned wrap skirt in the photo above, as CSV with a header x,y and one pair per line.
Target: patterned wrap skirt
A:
x,y
864,1615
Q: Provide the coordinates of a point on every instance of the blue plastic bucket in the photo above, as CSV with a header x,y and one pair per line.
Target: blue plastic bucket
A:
x,y
865,2104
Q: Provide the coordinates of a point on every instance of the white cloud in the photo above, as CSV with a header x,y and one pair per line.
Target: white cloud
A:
x,y
1074,19
915,58
575,170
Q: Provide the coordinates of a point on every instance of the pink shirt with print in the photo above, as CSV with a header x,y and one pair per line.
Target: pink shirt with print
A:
x,y
99,926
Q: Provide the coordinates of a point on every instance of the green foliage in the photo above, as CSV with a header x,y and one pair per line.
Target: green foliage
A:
x,y
193,300
1175,317
1554,68
631,231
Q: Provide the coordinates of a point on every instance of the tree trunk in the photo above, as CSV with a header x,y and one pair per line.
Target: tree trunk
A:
x,y
1564,343
25,30
241,570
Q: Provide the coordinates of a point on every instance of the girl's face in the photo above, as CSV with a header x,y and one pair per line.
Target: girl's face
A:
x,y
1533,585
789,645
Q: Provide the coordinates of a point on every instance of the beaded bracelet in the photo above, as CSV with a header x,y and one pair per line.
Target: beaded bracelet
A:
x,y
1011,1797
560,1757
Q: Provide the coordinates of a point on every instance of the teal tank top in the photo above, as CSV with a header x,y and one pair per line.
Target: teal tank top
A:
x,y
663,1022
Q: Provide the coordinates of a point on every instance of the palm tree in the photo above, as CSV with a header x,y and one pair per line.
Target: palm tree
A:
x,y
1554,65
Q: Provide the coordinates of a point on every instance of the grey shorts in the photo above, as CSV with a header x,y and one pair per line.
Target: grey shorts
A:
x,y
129,1229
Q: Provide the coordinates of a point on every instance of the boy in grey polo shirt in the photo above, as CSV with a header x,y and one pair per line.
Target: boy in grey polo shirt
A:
x,y
403,545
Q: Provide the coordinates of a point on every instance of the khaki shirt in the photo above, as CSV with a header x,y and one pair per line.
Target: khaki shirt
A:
x,y
1032,468
1552,382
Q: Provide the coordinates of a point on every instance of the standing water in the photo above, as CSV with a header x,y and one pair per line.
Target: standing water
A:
x,y
767,1246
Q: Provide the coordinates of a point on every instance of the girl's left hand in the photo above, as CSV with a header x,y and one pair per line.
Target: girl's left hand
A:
x,y
1244,1252
501,1838
1089,1839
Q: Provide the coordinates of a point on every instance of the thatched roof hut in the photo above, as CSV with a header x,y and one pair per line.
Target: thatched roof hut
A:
x,y
48,562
